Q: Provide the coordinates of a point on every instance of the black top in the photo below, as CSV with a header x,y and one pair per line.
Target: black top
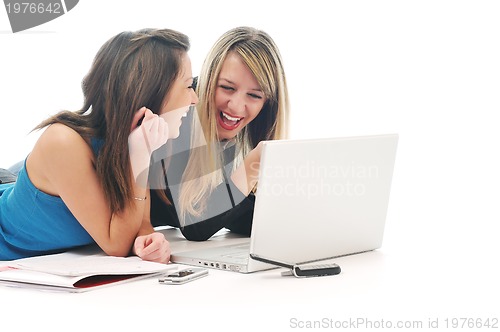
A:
x,y
227,206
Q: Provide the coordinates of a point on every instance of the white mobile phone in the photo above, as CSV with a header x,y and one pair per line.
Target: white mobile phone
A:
x,y
182,276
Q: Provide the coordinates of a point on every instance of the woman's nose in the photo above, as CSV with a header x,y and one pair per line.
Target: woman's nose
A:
x,y
194,98
236,104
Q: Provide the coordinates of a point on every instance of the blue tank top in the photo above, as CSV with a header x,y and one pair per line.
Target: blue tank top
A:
x,y
34,223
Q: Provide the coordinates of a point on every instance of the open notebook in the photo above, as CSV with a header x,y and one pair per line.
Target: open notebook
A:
x,y
77,271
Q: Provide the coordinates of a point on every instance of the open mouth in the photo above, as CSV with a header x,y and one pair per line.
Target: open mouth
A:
x,y
229,122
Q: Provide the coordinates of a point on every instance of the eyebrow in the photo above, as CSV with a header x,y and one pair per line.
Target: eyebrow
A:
x,y
231,82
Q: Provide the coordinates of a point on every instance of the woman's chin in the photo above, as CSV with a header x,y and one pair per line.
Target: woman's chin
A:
x,y
174,135
225,134
174,130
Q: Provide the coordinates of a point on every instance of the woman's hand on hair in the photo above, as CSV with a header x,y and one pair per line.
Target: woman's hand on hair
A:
x,y
138,117
148,132
152,247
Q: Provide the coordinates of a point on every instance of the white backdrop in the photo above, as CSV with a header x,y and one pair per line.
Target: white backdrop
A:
x,y
428,70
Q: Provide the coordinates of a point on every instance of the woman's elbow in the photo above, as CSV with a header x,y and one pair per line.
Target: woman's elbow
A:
x,y
117,251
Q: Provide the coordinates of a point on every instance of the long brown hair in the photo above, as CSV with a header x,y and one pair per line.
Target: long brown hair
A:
x,y
131,70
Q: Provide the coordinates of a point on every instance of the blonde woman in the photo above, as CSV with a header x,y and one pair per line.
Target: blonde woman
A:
x,y
79,185
243,100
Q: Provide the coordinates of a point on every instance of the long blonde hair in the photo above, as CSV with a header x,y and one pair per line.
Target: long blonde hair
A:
x,y
203,171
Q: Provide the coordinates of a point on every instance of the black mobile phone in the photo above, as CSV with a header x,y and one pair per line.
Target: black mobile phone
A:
x,y
303,270
316,270
182,276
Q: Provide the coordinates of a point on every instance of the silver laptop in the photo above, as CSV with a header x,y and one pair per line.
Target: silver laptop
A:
x,y
316,199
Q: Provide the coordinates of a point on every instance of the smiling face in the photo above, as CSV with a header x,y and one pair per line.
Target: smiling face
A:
x,y
179,98
238,97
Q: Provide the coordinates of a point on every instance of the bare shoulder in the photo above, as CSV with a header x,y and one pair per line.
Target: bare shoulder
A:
x,y
61,146
58,155
61,134
59,138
